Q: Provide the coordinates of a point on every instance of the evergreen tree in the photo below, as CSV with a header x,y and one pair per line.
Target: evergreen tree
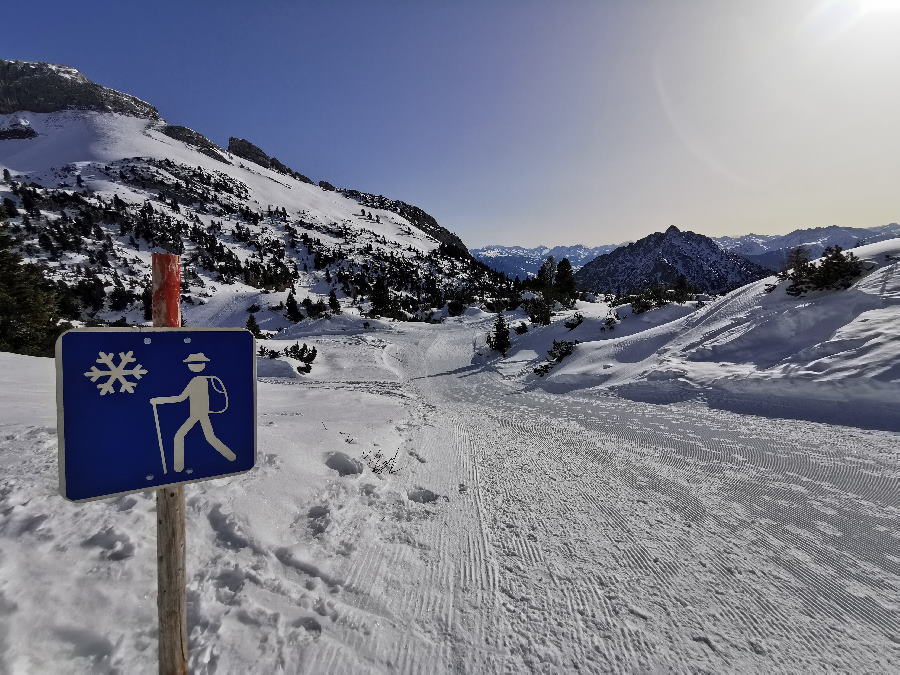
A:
x,y
564,283
147,301
546,276
29,315
836,270
10,207
293,309
797,257
6,177
682,289
253,327
120,298
380,297
498,338
539,311
333,303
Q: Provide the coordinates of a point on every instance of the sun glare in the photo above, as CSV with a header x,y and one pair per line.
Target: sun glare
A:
x,y
875,6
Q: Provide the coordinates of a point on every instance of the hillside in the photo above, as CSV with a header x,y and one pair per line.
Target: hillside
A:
x,y
101,180
752,351
661,258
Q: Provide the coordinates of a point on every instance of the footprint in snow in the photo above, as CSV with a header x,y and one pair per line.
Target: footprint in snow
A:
x,y
343,464
422,495
114,545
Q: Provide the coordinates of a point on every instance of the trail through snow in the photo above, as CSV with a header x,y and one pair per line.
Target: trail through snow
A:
x,y
519,531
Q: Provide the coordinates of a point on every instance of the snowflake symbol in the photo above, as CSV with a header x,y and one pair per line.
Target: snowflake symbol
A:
x,y
116,373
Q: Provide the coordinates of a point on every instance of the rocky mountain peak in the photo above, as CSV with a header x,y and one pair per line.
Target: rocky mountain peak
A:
x,y
661,258
46,87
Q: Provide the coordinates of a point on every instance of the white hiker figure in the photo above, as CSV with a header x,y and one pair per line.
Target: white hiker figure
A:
x,y
197,393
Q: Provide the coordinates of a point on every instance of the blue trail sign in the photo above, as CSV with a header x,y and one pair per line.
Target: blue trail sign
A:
x,y
139,408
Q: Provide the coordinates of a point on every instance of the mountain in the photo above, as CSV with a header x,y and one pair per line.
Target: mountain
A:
x,y
770,251
661,258
96,180
518,261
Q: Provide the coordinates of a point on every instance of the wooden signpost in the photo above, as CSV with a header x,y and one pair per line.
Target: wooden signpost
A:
x,y
171,601
131,405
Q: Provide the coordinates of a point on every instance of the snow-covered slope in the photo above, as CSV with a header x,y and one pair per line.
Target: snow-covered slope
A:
x,y
661,258
107,188
831,355
518,261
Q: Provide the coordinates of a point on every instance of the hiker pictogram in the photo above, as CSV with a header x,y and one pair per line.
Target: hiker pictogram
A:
x,y
198,396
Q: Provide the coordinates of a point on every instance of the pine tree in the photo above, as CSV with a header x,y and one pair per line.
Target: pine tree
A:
x,y
797,260
253,327
546,276
498,338
147,301
333,303
380,297
293,309
29,314
564,283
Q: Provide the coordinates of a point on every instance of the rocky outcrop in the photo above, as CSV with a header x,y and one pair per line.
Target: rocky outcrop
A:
x,y
191,137
17,129
253,153
413,214
45,88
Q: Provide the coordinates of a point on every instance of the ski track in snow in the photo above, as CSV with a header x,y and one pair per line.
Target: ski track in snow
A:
x,y
521,531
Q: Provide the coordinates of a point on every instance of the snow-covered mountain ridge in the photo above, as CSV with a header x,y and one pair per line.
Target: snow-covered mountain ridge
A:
x,y
770,251
100,184
661,258
522,262
766,250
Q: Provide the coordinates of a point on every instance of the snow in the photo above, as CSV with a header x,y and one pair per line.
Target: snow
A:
x,y
766,352
98,138
416,507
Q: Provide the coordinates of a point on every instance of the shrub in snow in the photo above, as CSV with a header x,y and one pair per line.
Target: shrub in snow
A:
x,y
574,321
305,354
455,307
560,350
612,318
836,270
521,329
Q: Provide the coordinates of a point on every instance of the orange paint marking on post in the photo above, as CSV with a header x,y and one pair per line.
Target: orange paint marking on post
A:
x,y
171,600
166,290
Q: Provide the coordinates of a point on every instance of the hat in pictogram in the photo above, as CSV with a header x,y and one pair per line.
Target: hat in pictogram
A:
x,y
200,357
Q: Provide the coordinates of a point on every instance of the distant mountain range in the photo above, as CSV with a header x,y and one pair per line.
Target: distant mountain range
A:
x,y
770,251
518,261
766,250
661,258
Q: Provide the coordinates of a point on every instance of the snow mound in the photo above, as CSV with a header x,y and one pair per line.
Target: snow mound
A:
x,y
768,353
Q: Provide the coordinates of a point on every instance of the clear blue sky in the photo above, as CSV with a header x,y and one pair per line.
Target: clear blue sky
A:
x,y
525,122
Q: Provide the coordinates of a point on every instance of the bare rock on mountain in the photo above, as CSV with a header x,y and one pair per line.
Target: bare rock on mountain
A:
x,y
46,87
